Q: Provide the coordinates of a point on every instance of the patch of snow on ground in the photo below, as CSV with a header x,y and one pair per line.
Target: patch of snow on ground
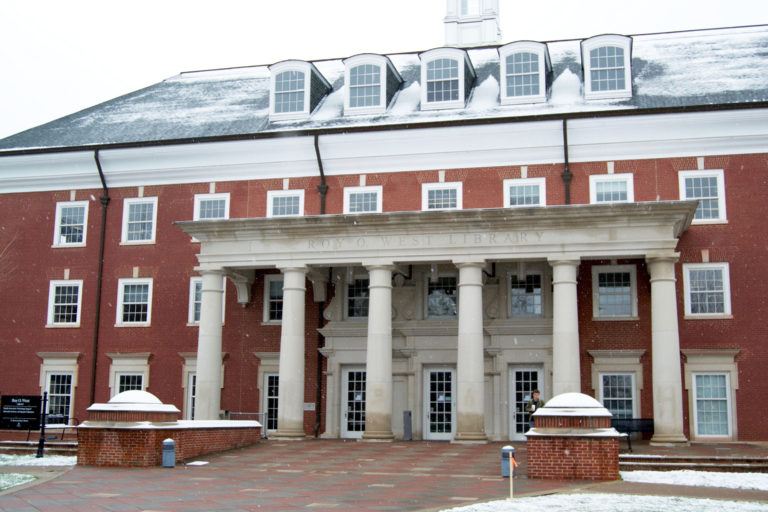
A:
x,y
756,481
611,503
31,460
11,479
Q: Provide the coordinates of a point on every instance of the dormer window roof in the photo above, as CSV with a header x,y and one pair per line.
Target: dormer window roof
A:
x,y
296,88
525,72
371,83
607,62
447,77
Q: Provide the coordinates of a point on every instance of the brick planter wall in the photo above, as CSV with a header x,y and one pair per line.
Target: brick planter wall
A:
x,y
567,458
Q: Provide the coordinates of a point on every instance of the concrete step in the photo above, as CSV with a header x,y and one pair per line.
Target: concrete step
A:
x,y
695,463
30,447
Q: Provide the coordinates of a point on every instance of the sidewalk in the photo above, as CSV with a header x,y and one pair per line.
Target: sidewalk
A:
x,y
328,475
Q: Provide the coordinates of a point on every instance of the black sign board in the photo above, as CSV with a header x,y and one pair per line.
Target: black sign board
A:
x,y
20,412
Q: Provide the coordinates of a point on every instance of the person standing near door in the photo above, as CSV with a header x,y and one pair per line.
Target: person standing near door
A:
x,y
532,405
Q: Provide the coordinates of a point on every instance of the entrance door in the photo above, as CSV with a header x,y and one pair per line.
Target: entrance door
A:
x,y
439,404
353,403
522,381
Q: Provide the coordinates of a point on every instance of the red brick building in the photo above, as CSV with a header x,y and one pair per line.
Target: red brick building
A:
x,y
405,243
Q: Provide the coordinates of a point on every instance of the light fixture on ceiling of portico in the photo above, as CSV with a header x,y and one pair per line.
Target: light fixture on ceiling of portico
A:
x,y
433,275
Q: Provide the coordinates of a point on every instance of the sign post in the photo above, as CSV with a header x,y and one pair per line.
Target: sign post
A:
x,y
41,443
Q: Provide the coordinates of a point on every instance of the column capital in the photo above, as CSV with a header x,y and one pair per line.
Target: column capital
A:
x,y
661,257
294,268
211,271
380,266
562,261
469,263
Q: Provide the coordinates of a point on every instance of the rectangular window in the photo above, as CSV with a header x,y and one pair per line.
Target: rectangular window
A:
x,y
525,192
708,187
211,206
712,405
64,301
71,223
522,74
130,382
59,394
525,295
289,91
273,387
614,291
357,298
707,289
362,199
191,394
139,220
285,203
611,188
441,196
441,296
442,80
134,302
606,65
365,86
273,298
196,299
617,393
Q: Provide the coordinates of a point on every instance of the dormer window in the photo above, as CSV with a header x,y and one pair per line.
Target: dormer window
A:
x,y
297,88
525,67
447,76
607,67
372,82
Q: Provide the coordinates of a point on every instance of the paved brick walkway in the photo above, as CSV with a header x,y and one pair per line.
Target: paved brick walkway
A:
x,y
313,475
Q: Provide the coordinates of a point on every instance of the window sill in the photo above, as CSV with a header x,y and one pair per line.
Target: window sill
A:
x,y
62,326
615,318
708,222
708,317
134,325
137,242
66,246
272,322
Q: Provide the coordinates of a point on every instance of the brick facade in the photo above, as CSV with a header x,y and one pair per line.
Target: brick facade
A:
x,y
573,458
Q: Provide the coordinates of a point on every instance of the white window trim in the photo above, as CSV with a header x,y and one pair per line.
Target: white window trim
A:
x,y
190,368
59,363
57,242
120,289
269,278
592,43
711,361
51,294
126,208
717,173
346,298
293,65
360,60
601,391
600,269
191,313
541,182
136,363
687,267
594,179
348,191
426,187
199,198
269,364
545,293
285,193
460,56
539,49
615,362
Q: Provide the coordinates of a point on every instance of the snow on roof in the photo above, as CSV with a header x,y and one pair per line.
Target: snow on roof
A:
x,y
683,69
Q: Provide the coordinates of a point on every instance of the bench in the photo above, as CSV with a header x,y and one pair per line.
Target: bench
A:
x,y
626,426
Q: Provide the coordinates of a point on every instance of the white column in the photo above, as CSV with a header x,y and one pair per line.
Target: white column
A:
x,y
290,395
208,380
378,358
665,352
470,368
566,367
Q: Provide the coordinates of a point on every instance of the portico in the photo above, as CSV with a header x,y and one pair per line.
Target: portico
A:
x,y
449,366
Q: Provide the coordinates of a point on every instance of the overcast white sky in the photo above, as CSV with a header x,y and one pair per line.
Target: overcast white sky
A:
x,y
61,56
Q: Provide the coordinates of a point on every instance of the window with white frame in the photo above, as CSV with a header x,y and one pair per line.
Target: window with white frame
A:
x,y
273,298
139,220
64,303
297,87
446,78
362,199
211,206
364,86
712,404
371,82
273,388
129,371
707,289
611,188
525,295
519,193
708,187
289,91
71,224
60,387
191,395
130,382
524,68
607,67
357,298
134,302
441,296
285,203
441,196
614,291
617,394
196,299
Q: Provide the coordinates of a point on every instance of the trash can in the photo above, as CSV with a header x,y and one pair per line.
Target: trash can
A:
x,y
169,453
506,451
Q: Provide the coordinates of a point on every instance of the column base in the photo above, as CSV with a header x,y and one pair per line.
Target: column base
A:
x,y
288,435
669,440
470,438
380,437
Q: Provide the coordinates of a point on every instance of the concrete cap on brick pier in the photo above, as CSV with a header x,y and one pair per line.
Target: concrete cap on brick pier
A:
x,y
573,404
572,414
135,401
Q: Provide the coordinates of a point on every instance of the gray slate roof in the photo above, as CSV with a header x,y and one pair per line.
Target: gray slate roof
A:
x,y
694,69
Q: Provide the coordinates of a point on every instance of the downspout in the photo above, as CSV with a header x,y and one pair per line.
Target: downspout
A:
x,y
104,199
566,175
322,189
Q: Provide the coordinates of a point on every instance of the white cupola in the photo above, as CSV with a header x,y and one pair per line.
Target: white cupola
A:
x,y
472,23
